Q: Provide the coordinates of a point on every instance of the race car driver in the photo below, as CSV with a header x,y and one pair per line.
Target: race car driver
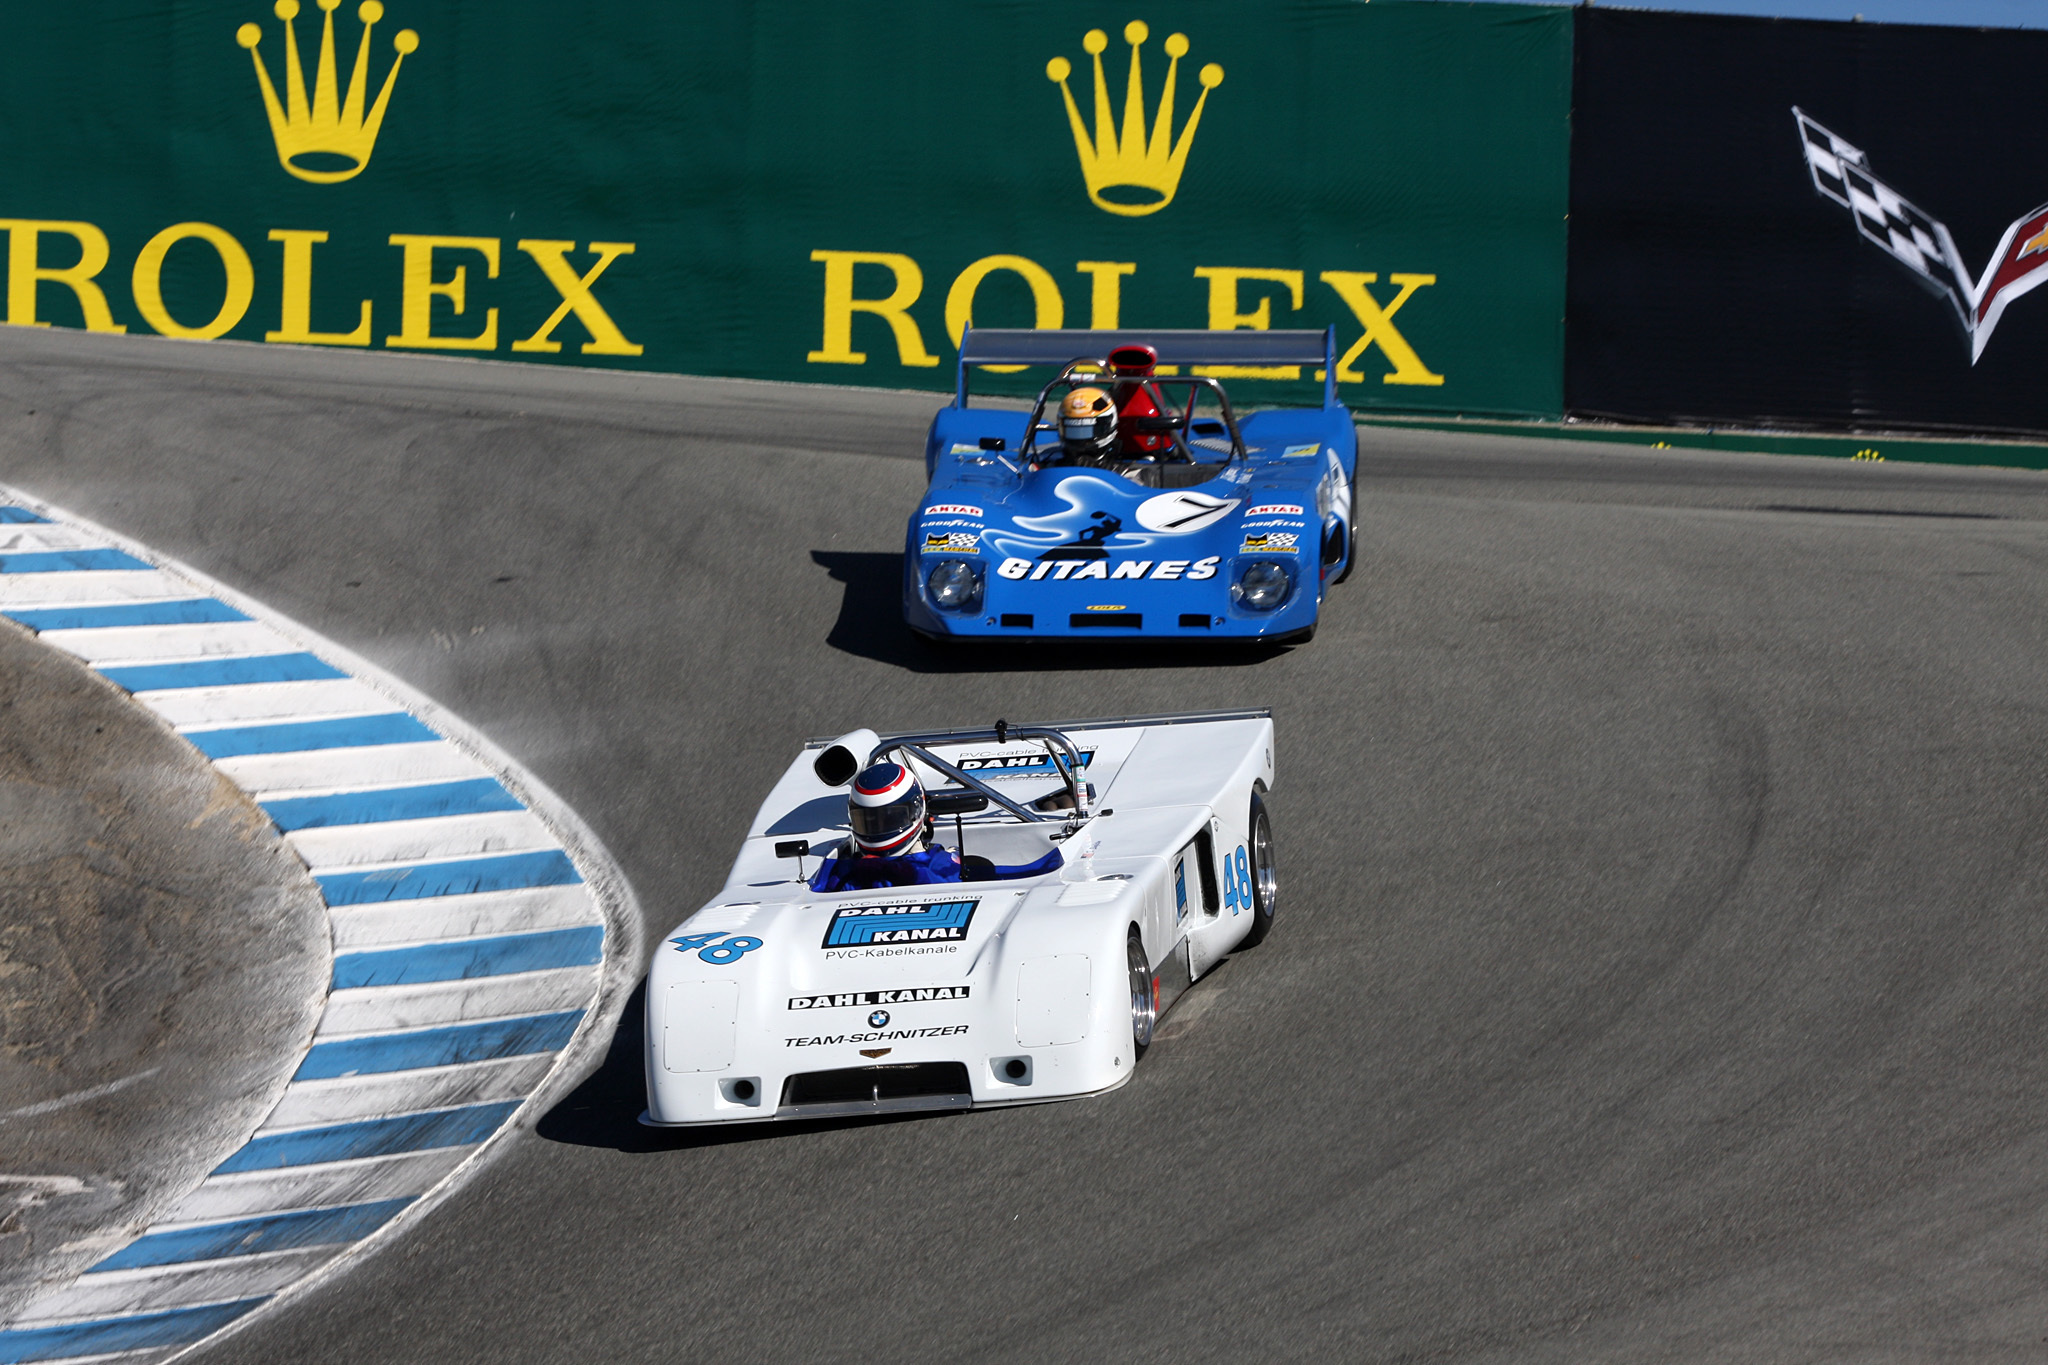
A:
x,y
892,832
1088,427
1092,426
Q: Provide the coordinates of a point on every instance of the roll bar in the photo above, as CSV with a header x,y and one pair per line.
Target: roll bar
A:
x,y
1078,372
1068,766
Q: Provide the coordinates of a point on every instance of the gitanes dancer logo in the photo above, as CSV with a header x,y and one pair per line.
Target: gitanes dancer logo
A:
x,y
1921,243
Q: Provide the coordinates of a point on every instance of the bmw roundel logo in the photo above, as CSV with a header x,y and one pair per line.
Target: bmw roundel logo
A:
x,y
879,1019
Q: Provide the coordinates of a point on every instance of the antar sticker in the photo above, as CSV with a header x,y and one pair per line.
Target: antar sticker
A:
x,y
1841,172
951,509
1273,509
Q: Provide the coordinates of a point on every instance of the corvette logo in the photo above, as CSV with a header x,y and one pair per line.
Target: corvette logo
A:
x,y
1923,245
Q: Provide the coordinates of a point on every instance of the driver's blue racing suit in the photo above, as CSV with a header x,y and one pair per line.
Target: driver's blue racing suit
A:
x,y
927,867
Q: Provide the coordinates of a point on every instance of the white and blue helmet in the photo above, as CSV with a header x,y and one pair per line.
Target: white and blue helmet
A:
x,y
886,810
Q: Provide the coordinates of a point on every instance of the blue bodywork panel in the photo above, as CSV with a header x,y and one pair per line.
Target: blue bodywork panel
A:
x,y
1072,552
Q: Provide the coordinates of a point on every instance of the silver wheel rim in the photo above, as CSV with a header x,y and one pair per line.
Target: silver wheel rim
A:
x,y
1262,861
1143,1014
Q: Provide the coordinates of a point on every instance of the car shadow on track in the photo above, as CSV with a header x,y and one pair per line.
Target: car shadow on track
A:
x,y
871,625
604,1111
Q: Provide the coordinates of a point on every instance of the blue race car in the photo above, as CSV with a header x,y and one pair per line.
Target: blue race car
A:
x,y
1184,521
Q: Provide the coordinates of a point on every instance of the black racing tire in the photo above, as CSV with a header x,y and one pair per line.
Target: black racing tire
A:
x,y
1265,881
1144,1002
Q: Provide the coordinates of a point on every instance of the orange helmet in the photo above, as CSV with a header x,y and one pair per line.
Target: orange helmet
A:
x,y
1088,425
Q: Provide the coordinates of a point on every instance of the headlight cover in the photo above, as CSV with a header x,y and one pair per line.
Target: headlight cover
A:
x,y
953,585
1262,585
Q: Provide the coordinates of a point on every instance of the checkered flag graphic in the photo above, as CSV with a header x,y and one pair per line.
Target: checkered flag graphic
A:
x,y
1841,172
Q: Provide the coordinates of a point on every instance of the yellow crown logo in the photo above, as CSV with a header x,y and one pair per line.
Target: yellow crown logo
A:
x,y
1129,164
326,140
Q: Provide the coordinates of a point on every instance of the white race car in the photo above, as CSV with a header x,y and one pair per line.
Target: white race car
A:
x,y
776,1001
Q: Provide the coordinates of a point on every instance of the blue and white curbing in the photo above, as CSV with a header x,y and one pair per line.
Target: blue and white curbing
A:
x,y
480,934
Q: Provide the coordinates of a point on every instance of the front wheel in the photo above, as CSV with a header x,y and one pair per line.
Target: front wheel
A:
x,y
1350,545
1265,881
1144,1002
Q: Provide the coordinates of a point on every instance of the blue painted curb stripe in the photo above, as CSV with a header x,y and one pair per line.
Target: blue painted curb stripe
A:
x,y
507,872
186,612
349,732
261,668
450,1046
63,561
422,1087
176,1327
465,959
473,797
251,1236
371,1137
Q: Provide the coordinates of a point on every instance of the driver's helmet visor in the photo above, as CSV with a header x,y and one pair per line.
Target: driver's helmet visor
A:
x,y
1085,430
879,827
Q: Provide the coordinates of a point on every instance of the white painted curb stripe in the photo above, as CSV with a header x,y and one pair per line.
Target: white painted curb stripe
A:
x,y
453,1012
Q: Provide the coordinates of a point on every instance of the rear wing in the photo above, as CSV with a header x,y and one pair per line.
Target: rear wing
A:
x,y
1032,346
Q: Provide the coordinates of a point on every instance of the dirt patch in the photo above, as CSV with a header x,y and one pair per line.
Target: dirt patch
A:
x,y
163,958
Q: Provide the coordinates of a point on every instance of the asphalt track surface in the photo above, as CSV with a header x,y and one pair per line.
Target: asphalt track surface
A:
x,y
1658,974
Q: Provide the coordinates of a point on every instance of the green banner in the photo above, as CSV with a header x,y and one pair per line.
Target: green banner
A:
x,y
805,191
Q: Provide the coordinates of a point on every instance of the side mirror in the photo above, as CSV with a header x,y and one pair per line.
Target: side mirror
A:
x,y
836,766
992,443
793,848
955,803
1063,799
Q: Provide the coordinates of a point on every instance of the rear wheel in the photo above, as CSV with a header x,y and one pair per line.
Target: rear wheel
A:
x,y
1265,881
1144,1004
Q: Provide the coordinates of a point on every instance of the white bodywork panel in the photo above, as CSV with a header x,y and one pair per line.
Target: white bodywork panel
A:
x,y
776,1001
